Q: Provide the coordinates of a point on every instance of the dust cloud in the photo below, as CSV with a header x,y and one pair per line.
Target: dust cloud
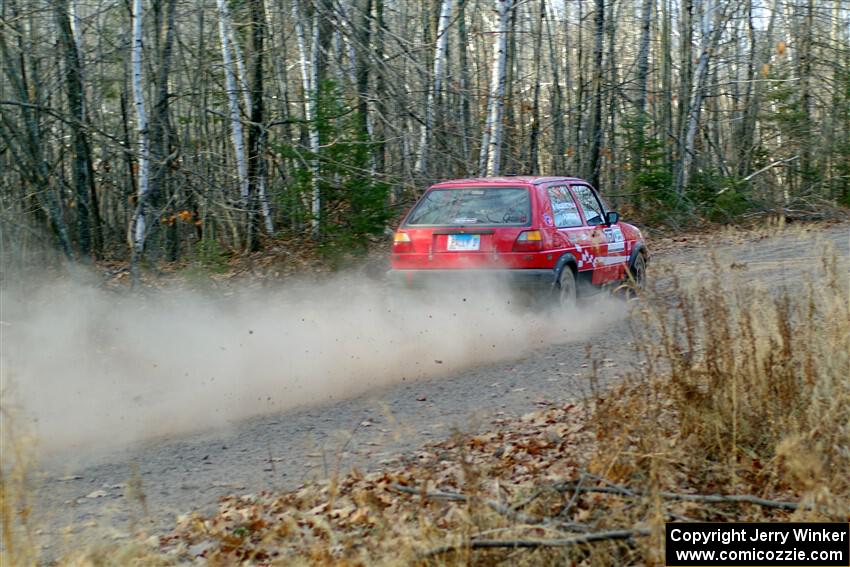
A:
x,y
87,369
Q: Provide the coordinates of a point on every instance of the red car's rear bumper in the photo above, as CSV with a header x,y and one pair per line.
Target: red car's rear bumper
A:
x,y
542,279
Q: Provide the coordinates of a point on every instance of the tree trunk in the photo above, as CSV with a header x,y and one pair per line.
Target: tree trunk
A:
x,y
435,90
808,173
466,131
559,142
533,166
258,199
686,38
711,34
380,151
639,143
596,125
88,218
610,140
233,100
309,80
26,142
760,56
491,142
667,81
363,34
578,125
139,224
161,132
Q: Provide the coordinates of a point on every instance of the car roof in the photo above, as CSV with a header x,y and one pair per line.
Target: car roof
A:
x,y
505,180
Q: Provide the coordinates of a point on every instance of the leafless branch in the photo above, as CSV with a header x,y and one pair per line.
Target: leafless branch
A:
x,y
538,543
498,507
716,498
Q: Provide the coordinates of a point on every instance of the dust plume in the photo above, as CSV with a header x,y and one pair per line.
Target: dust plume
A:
x,y
90,369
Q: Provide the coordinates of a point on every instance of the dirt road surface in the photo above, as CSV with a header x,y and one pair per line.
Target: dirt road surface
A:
x,y
84,495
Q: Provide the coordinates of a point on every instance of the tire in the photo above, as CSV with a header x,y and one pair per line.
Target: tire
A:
x,y
637,276
566,289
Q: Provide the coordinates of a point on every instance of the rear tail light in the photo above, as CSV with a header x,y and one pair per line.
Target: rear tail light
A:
x,y
402,242
529,241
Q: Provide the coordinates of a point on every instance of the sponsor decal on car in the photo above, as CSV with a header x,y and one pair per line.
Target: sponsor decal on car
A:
x,y
614,236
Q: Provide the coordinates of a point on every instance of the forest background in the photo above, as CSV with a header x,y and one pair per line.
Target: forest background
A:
x,y
146,131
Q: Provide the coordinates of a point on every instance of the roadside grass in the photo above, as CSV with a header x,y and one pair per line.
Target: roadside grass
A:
x,y
737,409
744,392
17,543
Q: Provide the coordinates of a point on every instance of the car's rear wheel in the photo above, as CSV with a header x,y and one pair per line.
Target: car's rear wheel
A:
x,y
567,288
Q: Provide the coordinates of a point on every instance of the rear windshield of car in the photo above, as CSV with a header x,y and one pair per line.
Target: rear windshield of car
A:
x,y
503,206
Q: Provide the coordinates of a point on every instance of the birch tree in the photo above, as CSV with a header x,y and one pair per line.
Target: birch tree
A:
x,y
491,141
308,63
233,102
435,89
139,225
759,58
154,143
713,22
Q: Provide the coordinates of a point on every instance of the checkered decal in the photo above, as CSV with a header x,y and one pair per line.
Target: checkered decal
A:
x,y
586,257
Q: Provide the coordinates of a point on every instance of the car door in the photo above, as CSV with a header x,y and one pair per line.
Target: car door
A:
x,y
595,250
571,227
618,250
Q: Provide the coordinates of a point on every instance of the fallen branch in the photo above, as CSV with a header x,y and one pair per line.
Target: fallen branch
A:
x,y
770,166
434,495
718,498
537,543
498,507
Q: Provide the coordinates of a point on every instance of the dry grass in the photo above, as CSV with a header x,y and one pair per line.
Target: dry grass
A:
x,y
737,391
17,545
751,385
744,392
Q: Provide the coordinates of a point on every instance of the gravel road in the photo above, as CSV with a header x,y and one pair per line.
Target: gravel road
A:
x,y
96,496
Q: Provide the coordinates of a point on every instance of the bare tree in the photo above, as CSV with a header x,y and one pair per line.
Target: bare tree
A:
x,y
309,65
88,216
233,100
258,196
713,22
533,164
640,119
435,89
139,225
161,132
596,125
489,162
222,149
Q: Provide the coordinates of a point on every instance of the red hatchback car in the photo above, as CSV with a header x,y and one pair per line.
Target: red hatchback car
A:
x,y
552,233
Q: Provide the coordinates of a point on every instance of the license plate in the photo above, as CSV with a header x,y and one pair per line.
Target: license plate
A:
x,y
464,242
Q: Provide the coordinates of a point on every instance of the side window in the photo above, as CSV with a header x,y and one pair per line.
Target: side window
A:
x,y
589,204
563,207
